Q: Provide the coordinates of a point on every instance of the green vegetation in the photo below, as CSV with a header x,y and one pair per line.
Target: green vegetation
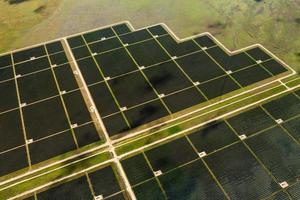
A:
x,y
54,175
62,170
235,23
294,82
19,17
70,168
53,160
221,109
203,108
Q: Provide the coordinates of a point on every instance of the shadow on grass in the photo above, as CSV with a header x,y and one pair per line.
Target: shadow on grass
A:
x,y
12,2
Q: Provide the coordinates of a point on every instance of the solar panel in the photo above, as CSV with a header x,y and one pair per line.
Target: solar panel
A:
x,y
134,79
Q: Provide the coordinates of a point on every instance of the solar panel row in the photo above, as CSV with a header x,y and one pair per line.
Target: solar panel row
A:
x,y
41,103
135,77
250,168
140,76
101,184
231,167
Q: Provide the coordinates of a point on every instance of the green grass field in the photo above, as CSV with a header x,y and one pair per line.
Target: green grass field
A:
x,y
273,23
19,17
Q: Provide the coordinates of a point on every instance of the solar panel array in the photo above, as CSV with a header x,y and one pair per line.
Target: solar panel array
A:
x,y
134,77
42,111
229,159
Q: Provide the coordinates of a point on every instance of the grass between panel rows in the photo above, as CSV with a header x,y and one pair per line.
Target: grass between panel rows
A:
x,y
190,112
293,83
200,109
53,175
225,107
52,161
48,175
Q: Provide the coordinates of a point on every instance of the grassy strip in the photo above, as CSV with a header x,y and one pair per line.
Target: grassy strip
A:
x,y
177,128
45,170
195,114
54,175
52,160
197,107
288,79
127,147
294,83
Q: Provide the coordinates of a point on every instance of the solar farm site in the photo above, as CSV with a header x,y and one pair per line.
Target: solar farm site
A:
x,y
120,113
